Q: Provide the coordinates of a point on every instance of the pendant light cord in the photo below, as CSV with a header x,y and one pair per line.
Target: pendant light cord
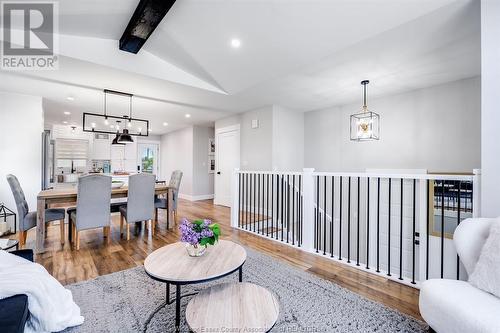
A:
x,y
364,95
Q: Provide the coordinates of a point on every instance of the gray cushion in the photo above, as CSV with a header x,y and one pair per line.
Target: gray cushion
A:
x,y
54,214
161,203
51,214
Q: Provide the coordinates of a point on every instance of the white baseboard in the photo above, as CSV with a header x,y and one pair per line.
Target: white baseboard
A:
x,y
196,197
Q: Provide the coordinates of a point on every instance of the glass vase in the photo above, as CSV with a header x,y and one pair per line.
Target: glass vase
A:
x,y
195,250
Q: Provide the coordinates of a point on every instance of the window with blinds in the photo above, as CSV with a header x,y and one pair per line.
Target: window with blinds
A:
x,y
68,149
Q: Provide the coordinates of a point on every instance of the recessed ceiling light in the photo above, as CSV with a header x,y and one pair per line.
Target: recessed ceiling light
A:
x,y
70,98
235,43
67,113
188,115
65,122
165,124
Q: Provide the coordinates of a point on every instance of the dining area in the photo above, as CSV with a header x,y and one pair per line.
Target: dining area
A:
x,y
90,203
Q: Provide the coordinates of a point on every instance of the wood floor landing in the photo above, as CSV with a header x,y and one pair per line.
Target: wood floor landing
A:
x,y
96,258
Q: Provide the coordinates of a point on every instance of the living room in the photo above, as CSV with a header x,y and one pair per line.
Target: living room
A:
x,y
200,166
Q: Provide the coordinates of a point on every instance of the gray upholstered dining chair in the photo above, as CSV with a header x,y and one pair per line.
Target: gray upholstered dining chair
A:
x,y
162,203
27,219
92,206
140,202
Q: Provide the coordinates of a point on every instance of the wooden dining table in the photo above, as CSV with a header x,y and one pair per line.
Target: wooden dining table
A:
x,y
68,196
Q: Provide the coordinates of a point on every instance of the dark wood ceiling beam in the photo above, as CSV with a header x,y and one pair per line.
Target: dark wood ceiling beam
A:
x,y
146,18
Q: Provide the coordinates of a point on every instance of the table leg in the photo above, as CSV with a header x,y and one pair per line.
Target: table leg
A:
x,y
178,308
40,226
240,274
168,293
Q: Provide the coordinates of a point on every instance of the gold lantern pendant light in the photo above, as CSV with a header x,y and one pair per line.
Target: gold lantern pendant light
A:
x,y
365,126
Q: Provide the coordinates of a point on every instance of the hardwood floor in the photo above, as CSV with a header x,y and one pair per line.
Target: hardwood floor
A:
x,y
96,257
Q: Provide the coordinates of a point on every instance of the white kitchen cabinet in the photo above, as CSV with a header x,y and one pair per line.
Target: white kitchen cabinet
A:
x,y
131,151
117,152
101,149
130,165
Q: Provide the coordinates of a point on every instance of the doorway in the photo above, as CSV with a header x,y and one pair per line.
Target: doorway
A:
x,y
227,158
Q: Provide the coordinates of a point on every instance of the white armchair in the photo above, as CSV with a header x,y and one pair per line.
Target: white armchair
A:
x,y
456,306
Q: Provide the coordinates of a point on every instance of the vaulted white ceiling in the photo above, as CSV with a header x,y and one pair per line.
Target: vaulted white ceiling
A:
x,y
302,54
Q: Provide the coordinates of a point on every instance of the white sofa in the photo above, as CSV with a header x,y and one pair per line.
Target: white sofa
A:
x,y
456,306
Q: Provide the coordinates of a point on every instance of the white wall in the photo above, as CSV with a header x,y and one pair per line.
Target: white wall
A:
x,y
436,128
288,139
278,142
187,150
176,153
21,127
490,113
203,182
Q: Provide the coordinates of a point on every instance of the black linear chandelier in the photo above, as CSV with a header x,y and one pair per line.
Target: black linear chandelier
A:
x,y
106,123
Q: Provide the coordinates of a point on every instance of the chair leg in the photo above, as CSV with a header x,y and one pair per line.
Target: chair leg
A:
x,y
121,225
22,237
61,227
128,231
156,214
106,233
73,232
152,227
77,240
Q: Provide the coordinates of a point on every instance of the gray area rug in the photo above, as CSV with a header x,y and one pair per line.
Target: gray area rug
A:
x,y
123,301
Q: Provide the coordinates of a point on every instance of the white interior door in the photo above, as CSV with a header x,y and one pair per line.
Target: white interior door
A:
x,y
227,158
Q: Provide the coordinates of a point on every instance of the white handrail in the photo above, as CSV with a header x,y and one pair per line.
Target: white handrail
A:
x,y
368,174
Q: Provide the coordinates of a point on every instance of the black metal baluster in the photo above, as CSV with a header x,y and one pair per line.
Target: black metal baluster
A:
x,y
272,205
378,225
471,194
401,233
368,223
293,209
263,206
340,219
267,205
427,231
240,201
300,211
413,232
458,223
254,199
316,235
277,205
349,222
389,233
282,205
287,207
442,229
332,217
247,202
264,201
324,215
264,212
357,226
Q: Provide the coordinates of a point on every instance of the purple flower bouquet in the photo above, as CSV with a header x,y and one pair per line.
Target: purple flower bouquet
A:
x,y
198,235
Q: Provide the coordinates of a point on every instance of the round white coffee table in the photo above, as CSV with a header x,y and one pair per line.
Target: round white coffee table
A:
x,y
233,307
172,264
